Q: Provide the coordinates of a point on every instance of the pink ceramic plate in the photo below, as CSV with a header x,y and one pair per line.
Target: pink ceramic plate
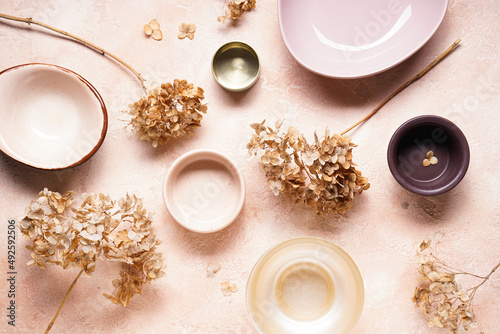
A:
x,y
353,39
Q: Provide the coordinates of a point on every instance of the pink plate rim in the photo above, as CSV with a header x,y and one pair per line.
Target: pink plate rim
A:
x,y
362,70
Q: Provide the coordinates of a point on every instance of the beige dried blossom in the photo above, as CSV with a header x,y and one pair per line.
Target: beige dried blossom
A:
x,y
212,269
440,296
321,175
153,29
168,111
228,288
186,30
430,159
76,236
235,9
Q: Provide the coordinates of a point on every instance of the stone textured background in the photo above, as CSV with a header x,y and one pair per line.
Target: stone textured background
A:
x,y
379,232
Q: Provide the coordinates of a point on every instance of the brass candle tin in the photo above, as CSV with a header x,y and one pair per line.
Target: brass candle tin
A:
x,y
236,66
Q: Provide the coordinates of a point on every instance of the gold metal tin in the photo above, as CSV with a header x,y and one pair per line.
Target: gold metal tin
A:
x,y
236,66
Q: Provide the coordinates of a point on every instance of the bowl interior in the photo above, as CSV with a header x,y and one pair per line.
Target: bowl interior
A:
x,y
52,117
305,285
204,191
410,145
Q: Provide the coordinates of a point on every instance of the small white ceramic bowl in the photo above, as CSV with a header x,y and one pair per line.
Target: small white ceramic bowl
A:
x,y
52,118
204,191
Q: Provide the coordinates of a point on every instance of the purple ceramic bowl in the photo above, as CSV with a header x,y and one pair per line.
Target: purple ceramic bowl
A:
x,y
410,144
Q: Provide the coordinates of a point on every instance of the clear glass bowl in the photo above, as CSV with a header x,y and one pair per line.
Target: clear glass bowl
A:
x,y
305,285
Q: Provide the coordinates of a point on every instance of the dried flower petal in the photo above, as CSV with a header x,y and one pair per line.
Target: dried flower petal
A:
x,y
148,30
212,269
157,35
186,30
154,24
228,289
425,244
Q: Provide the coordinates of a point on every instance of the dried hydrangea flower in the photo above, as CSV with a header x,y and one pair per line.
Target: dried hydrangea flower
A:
x,y
321,175
76,236
186,30
228,289
235,9
430,159
168,111
153,29
212,269
440,296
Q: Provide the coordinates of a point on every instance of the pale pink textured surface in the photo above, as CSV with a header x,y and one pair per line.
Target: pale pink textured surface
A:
x,y
379,232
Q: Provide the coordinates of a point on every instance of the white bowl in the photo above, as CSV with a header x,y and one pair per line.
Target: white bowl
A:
x,y
52,118
305,285
204,191
354,39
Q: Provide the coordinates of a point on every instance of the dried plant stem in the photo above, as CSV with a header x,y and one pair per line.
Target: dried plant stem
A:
x,y
459,271
487,277
408,83
492,271
49,327
474,289
29,20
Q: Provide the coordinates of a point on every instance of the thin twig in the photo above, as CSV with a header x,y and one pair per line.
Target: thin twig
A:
x,y
49,327
85,42
408,83
493,270
456,271
444,266
487,277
